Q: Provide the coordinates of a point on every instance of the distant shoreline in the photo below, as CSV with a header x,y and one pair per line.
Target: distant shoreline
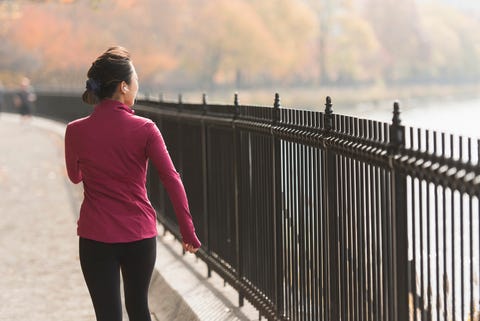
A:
x,y
343,98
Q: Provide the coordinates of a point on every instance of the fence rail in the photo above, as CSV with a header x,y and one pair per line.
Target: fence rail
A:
x,y
317,216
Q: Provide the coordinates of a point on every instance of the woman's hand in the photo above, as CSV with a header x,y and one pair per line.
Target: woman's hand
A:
x,y
189,248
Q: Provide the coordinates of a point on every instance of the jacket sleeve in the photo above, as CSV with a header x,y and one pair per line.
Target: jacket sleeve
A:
x,y
71,158
157,152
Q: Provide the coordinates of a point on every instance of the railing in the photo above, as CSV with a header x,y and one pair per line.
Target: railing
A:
x,y
317,216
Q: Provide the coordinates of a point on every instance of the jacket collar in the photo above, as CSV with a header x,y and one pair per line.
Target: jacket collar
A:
x,y
110,104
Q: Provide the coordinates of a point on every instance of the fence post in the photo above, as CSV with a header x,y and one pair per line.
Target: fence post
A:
x,y
330,195
399,219
277,208
180,145
180,102
204,104
205,183
236,175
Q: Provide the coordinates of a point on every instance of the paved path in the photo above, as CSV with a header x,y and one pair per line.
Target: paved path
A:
x,y
40,271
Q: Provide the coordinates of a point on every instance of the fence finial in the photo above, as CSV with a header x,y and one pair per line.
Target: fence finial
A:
x,y
204,103
235,99
180,102
397,131
276,109
236,105
396,121
276,103
328,114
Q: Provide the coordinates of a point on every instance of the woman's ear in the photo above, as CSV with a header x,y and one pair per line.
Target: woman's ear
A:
x,y
124,87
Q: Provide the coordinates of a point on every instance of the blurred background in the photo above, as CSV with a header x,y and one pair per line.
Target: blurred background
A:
x,y
360,52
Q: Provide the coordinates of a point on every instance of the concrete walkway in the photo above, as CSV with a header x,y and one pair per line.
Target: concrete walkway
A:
x,y
40,271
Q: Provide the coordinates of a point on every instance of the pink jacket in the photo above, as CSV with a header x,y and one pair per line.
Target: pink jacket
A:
x,y
108,151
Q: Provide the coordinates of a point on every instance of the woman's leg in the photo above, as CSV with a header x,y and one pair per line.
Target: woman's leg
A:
x,y
137,263
101,270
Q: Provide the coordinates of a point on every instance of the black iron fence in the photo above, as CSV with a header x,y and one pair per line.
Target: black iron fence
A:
x,y
316,216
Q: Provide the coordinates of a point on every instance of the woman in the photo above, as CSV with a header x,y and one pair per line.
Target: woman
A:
x,y
108,151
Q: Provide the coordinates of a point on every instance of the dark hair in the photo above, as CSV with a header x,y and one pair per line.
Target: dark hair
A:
x,y
108,70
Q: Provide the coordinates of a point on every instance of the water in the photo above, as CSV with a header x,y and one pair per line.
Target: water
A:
x,y
460,117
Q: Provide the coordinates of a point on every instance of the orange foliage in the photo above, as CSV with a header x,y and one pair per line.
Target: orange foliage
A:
x,y
206,40
53,36
127,4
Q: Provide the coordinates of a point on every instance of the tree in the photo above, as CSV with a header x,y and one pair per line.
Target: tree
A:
x,y
241,48
293,27
353,52
244,42
452,41
325,12
398,29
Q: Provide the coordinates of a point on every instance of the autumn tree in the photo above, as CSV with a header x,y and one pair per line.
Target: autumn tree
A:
x,y
398,29
224,39
453,44
293,27
353,52
71,36
326,13
244,42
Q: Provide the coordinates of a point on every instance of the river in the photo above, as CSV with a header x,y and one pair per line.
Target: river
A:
x,y
452,116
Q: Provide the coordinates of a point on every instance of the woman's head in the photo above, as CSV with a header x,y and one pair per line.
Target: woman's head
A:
x,y
112,74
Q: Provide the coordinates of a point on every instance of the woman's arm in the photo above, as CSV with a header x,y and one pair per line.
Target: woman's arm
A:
x,y
71,158
157,152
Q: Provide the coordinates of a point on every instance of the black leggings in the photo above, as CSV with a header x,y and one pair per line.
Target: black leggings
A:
x,y
101,265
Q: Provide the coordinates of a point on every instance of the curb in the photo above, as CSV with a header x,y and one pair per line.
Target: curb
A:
x,y
209,299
